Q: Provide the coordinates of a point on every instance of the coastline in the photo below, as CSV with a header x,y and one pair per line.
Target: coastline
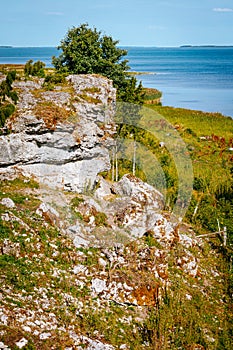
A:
x,y
192,78
151,86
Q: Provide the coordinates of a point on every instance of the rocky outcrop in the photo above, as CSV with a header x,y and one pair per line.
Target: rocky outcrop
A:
x,y
103,269
66,154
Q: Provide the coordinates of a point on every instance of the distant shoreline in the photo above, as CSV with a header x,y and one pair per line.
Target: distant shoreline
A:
x,y
205,46
128,46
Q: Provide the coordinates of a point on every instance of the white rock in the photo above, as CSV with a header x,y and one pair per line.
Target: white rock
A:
x,y
7,202
27,329
186,240
21,343
95,344
138,205
79,269
102,262
6,217
98,285
80,242
188,296
3,319
45,335
3,346
45,208
72,155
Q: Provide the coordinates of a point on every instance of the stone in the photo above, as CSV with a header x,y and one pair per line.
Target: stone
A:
x,y
27,329
79,269
46,208
8,202
10,248
138,206
3,346
70,155
45,335
61,98
21,343
94,344
104,93
80,242
103,191
98,285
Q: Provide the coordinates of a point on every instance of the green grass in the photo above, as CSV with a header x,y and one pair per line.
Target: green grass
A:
x,y
151,95
199,122
171,323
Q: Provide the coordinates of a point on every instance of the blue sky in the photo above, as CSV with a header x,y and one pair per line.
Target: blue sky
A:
x,y
132,22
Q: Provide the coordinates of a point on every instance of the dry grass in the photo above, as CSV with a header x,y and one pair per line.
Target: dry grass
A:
x,y
51,114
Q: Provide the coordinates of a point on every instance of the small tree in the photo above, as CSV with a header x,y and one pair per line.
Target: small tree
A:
x,y
87,51
34,69
8,97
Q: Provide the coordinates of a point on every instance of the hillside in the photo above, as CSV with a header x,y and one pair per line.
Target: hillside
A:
x,y
88,262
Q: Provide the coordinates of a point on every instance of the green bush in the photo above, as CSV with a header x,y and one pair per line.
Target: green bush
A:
x,y
57,78
6,93
34,69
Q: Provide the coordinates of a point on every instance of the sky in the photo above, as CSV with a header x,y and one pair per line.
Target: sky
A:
x,y
162,23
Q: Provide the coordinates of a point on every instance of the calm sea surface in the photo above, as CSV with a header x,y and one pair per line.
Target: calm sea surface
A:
x,y
189,77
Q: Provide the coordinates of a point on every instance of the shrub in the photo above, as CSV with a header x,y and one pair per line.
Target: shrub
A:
x,y
34,69
8,97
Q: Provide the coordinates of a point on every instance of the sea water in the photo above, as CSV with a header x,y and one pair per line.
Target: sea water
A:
x,y
198,78
189,77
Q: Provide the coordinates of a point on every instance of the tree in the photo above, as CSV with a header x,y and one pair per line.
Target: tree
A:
x,y
87,51
8,97
34,69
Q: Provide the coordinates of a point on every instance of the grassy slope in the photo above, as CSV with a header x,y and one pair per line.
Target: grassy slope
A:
x,y
38,286
179,323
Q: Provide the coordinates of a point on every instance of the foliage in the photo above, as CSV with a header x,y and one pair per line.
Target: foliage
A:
x,y
87,51
151,95
8,97
51,114
208,137
34,69
76,201
53,79
188,313
100,219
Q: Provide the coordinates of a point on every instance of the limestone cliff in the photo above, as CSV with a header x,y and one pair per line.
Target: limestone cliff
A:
x,y
61,136
88,263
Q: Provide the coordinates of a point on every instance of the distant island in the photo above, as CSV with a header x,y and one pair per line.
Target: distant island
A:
x,y
5,47
185,46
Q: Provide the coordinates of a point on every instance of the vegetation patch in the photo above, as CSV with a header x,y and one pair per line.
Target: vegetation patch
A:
x,y
87,98
51,114
151,96
92,90
8,97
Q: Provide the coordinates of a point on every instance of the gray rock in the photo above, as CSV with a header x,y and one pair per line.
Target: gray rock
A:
x,y
21,343
71,156
95,344
10,248
79,239
3,346
7,202
138,206
98,285
61,98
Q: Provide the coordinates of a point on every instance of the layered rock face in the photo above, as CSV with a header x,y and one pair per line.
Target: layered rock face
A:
x,y
98,270
62,136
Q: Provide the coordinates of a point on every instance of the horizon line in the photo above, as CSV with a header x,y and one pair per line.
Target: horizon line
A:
x,y
143,46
